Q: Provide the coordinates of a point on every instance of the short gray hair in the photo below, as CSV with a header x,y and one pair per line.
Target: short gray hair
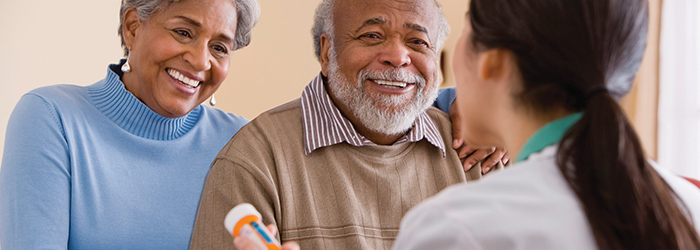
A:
x,y
323,23
247,13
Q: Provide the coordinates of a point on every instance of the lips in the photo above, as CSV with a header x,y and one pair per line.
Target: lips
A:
x,y
191,83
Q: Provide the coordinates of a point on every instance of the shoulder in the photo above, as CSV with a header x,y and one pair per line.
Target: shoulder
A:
x,y
265,130
437,115
288,108
430,226
441,121
221,119
686,191
55,103
290,111
60,94
536,177
528,205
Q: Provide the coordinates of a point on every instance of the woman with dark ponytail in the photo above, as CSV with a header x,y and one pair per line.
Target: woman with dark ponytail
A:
x,y
551,72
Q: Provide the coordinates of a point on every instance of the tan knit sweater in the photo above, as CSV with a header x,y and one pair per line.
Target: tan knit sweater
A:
x,y
337,197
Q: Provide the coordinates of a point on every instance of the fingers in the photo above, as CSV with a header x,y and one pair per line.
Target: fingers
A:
x,y
466,151
457,143
456,127
506,158
477,156
493,159
244,243
286,246
272,228
290,246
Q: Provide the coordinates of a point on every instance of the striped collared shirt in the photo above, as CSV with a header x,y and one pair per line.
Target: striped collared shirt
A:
x,y
324,125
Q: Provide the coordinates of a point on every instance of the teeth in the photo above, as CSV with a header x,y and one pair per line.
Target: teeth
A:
x,y
187,81
391,83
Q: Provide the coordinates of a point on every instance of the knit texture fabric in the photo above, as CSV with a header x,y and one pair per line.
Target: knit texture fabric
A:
x,y
94,168
337,197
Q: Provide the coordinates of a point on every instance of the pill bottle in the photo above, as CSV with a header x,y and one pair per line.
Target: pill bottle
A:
x,y
244,220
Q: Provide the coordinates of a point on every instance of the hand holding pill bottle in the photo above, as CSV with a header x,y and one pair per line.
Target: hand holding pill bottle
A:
x,y
244,220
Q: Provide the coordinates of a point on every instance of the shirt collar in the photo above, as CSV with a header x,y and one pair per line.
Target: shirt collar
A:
x,y
324,125
549,134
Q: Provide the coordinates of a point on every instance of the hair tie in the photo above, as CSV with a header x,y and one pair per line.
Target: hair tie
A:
x,y
595,91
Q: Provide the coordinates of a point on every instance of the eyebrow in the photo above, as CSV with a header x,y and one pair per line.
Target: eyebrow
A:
x,y
190,21
417,27
373,21
381,20
199,25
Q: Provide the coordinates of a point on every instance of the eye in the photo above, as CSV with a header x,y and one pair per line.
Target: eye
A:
x,y
419,42
371,37
183,33
220,49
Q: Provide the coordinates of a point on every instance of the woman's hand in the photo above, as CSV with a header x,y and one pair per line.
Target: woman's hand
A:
x,y
244,243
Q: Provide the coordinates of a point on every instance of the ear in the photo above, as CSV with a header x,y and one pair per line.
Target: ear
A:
x,y
495,64
324,58
130,26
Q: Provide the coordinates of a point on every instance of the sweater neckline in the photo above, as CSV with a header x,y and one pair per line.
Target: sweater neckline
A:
x,y
388,152
112,99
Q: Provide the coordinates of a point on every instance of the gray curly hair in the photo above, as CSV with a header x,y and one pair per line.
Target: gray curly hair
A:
x,y
323,23
247,11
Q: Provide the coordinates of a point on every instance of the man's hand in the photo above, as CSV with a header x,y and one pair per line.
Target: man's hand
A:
x,y
244,243
488,157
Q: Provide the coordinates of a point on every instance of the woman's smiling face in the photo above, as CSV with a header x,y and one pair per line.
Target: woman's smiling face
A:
x,y
180,55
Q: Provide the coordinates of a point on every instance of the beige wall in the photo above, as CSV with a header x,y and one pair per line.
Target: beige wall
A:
x,y
59,42
50,42
72,42
641,104
280,60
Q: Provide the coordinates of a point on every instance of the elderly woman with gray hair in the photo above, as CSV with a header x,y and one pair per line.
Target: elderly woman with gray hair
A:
x,y
121,164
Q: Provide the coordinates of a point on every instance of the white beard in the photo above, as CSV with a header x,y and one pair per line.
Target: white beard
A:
x,y
385,114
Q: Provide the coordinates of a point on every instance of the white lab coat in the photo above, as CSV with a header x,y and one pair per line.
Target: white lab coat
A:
x,y
527,206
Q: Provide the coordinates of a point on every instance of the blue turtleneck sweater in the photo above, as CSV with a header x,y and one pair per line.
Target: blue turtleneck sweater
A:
x,y
94,168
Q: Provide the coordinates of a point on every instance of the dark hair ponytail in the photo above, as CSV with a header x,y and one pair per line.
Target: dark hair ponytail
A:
x,y
582,55
628,205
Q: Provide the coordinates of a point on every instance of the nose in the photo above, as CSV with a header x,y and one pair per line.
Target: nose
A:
x,y
199,57
396,55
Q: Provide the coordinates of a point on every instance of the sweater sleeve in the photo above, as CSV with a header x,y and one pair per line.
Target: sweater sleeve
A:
x,y
35,179
446,97
240,174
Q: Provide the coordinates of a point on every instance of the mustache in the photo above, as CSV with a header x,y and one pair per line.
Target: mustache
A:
x,y
396,75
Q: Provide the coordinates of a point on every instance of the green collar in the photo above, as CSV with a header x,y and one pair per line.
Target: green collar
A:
x,y
549,134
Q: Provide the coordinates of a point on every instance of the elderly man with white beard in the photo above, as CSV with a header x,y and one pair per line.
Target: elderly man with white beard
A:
x,y
339,167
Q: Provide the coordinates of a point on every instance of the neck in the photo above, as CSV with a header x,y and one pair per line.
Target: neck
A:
x,y
377,138
515,137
